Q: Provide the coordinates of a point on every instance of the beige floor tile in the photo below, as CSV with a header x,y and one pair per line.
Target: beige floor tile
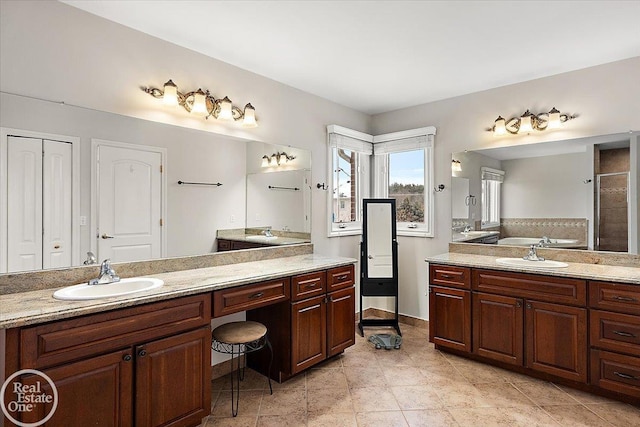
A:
x,y
284,402
249,403
503,395
544,393
462,396
361,359
299,381
528,416
331,420
252,381
297,420
584,397
365,377
326,378
416,397
333,362
379,419
486,417
393,358
443,375
326,400
373,399
575,416
515,377
430,418
619,414
404,375
477,373
239,421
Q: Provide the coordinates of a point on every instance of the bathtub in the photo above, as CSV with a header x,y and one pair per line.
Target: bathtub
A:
x,y
528,241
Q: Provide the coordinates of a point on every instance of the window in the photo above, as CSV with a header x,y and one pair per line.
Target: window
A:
x,y
491,185
402,165
350,156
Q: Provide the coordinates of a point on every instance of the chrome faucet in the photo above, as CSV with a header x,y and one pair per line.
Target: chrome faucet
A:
x,y
107,274
544,242
467,228
91,259
533,256
267,232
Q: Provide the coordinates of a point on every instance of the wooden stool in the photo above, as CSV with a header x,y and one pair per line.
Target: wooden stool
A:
x,y
236,338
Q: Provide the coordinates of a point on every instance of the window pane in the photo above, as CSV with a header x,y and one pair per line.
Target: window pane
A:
x,y
490,202
344,185
406,185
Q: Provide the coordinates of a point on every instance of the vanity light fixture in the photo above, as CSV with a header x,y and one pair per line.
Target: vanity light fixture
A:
x,y
203,103
276,159
456,166
529,122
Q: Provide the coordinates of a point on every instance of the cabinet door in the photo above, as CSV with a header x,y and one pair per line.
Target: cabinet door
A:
x,y
341,320
556,338
450,318
498,328
91,392
308,333
173,380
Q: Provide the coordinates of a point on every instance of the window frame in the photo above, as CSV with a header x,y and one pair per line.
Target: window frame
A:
x,y
492,204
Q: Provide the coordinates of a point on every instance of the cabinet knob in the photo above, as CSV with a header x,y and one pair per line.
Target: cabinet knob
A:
x,y
528,305
142,353
518,304
126,358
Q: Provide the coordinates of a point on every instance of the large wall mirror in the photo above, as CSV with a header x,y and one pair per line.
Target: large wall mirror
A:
x,y
572,194
251,194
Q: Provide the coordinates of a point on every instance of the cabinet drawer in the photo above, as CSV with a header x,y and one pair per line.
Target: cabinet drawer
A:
x,y
531,286
56,342
447,275
615,331
224,245
615,297
308,285
340,277
234,300
615,372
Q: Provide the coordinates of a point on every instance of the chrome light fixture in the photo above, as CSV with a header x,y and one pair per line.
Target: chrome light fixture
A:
x,y
529,122
203,103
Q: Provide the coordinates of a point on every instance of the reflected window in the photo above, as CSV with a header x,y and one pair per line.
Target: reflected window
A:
x,y
406,185
492,180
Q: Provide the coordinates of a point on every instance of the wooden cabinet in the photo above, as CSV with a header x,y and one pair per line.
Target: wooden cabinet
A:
x,y
320,322
242,298
615,337
146,366
450,307
498,328
234,245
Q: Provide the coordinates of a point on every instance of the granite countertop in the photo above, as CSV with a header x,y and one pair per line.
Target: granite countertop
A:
x,y
264,240
28,308
611,273
473,235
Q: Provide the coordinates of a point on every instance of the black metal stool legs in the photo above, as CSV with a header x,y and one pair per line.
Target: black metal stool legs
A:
x,y
270,363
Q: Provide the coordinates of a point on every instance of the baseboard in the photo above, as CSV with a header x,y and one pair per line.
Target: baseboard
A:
x,y
402,318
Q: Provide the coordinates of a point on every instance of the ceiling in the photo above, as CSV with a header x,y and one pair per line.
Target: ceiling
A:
x,y
379,56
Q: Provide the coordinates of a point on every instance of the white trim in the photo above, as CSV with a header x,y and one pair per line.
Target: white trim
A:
x,y
75,187
350,133
410,133
93,224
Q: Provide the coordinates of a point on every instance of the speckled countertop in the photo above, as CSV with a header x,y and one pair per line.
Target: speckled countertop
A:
x,y
28,308
264,240
609,273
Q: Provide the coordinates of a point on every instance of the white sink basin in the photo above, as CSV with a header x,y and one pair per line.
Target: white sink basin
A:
x,y
474,233
260,237
84,291
519,262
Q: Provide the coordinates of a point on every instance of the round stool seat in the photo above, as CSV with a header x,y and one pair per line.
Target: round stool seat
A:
x,y
239,332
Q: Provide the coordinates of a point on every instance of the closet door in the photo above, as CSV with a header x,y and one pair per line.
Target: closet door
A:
x,y
24,204
56,204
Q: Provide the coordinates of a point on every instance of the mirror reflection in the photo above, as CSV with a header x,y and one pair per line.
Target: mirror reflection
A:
x,y
59,197
572,194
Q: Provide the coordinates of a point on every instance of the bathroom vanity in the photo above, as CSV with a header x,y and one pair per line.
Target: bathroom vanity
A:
x,y
579,325
145,359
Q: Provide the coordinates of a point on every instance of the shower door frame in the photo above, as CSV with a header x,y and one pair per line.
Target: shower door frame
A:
x,y
597,213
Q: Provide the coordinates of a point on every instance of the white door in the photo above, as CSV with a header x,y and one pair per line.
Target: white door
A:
x,y
38,204
129,204
24,204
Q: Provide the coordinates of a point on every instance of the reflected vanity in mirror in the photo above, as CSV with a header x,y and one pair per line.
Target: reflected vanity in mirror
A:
x,y
572,194
190,215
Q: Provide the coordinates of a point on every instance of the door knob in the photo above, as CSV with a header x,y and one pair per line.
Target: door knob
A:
x,y
370,257
106,236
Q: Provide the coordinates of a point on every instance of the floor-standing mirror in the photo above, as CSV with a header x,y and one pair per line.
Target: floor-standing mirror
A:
x,y
379,257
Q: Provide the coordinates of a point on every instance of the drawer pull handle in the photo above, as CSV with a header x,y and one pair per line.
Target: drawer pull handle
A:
x,y
624,334
343,277
447,276
310,285
627,299
626,376
256,295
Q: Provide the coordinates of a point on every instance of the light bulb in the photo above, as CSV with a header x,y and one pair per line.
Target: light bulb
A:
x,y
225,109
170,96
526,123
500,127
199,103
554,119
265,161
249,116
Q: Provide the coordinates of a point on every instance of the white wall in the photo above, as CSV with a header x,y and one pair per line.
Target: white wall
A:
x,y
546,187
54,51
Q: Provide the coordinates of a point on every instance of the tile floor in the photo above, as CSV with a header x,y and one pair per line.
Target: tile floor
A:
x,y
414,386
